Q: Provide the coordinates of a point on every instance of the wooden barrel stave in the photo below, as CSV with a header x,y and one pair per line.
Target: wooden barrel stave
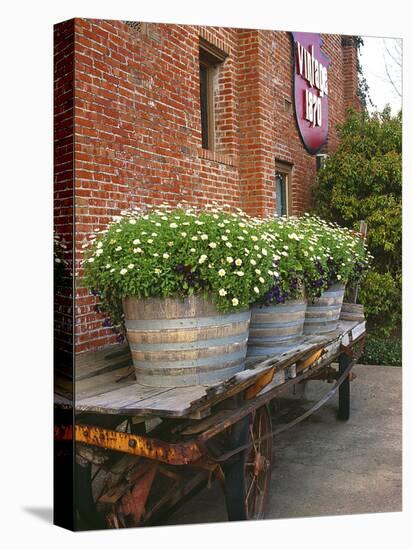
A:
x,y
322,314
193,343
352,312
276,329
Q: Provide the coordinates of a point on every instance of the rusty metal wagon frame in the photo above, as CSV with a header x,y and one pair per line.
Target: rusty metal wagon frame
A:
x,y
152,459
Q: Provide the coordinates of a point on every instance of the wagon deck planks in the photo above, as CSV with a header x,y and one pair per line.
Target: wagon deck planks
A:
x,y
103,385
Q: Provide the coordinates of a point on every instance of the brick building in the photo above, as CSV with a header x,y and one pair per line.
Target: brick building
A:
x,y
152,112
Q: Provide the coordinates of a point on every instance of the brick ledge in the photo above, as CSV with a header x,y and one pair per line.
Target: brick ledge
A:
x,y
214,156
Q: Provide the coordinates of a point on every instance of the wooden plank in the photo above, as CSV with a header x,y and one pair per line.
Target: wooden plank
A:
x,y
136,399
260,383
358,330
119,400
103,383
102,361
195,401
175,400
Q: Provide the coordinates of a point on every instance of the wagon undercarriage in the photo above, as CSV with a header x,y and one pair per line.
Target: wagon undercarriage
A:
x,y
133,468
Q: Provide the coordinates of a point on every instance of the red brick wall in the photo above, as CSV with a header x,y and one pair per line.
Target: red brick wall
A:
x,y
64,176
138,128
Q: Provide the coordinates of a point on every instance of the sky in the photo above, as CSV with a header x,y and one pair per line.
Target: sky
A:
x,y
373,54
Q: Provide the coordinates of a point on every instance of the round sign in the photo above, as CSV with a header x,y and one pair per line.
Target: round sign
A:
x,y
311,89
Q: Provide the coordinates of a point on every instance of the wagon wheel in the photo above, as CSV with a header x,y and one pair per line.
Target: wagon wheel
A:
x,y
247,475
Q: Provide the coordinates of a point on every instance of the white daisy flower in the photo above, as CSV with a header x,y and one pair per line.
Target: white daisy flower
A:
x,y
212,245
166,256
255,288
229,259
238,262
239,273
222,292
118,248
130,266
221,272
123,271
136,241
235,301
173,225
257,271
132,221
261,279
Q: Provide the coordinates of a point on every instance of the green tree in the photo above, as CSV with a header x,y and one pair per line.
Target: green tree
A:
x,y
362,180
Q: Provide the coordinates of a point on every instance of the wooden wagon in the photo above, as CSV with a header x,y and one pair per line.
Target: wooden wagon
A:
x,y
141,451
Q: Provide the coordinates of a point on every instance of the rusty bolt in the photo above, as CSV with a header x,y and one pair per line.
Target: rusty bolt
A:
x,y
132,443
86,433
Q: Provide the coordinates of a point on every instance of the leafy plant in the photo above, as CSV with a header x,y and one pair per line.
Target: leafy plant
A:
x,y
164,252
233,259
382,351
362,180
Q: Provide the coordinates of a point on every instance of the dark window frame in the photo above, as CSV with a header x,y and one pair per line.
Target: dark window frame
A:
x,y
210,57
284,171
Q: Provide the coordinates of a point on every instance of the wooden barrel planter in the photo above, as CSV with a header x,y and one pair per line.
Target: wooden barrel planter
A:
x,y
322,314
352,312
276,329
184,342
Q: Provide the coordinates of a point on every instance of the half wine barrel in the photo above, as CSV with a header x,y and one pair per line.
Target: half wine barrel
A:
x,y
184,342
322,314
276,329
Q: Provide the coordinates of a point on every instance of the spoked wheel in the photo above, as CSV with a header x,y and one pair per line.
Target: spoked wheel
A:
x,y
247,475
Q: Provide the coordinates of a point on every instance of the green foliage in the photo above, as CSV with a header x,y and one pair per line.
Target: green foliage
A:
x,y
382,351
311,254
362,180
233,259
381,295
177,253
